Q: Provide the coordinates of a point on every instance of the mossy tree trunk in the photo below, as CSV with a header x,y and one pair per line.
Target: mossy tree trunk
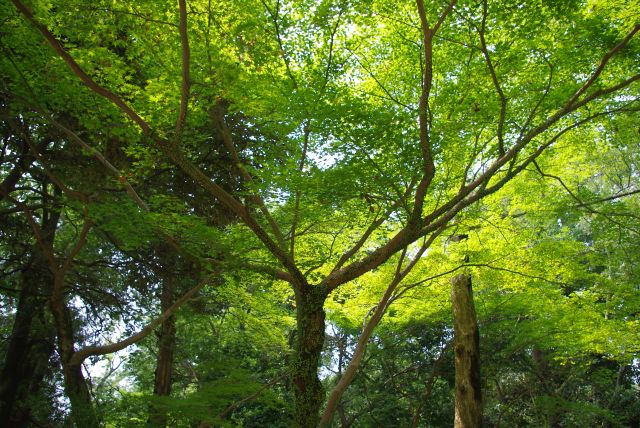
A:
x,y
305,361
468,405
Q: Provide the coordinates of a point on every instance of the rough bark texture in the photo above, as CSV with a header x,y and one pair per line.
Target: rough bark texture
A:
x,y
164,362
30,344
29,347
468,412
75,385
77,391
307,388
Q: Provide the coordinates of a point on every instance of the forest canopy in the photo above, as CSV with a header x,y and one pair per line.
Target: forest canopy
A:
x,y
267,213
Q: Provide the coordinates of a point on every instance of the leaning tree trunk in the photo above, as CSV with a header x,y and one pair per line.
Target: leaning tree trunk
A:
x,y
468,412
307,388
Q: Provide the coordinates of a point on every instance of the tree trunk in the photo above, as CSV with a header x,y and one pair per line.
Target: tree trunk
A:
x,y
22,370
30,344
468,406
307,388
75,385
164,362
42,349
76,389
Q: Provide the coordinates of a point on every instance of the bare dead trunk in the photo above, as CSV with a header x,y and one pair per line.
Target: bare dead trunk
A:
x,y
468,406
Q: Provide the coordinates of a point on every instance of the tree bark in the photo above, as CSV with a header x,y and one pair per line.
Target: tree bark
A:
x,y
30,344
75,385
77,391
29,347
164,362
310,334
468,404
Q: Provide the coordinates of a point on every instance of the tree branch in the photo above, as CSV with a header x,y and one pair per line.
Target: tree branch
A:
x,y
227,139
80,243
283,53
380,310
296,208
55,44
239,403
603,62
82,354
423,106
184,96
494,78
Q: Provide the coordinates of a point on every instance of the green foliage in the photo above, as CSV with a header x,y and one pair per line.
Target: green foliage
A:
x,y
306,114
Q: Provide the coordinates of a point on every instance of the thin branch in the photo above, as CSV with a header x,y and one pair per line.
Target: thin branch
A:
x,y
184,95
135,13
296,208
37,231
580,203
271,271
494,78
274,17
55,44
539,103
255,198
411,286
365,236
80,243
18,209
603,62
115,171
610,198
444,15
378,82
327,72
82,354
378,313
429,387
514,171
241,402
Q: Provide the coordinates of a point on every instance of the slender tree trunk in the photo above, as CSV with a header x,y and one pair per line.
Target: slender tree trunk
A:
x,y
468,412
307,388
164,362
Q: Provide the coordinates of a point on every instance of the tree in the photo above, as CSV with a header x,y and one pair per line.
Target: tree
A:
x,y
359,131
